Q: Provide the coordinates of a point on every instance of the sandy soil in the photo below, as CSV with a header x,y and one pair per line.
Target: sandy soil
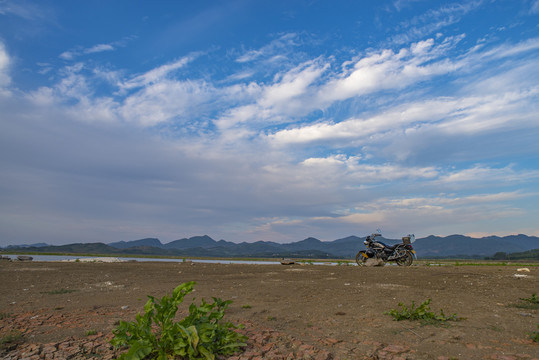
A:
x,y
310,311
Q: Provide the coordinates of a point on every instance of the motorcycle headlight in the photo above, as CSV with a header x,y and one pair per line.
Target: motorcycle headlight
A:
x,y
365,242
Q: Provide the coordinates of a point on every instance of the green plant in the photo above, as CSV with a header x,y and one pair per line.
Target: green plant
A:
x,y
535,335
200,335
12,338
533,299
246,306
91,332
4,316
421,313
530,303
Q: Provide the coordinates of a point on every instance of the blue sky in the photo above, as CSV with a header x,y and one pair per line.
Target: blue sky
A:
x,y
267,120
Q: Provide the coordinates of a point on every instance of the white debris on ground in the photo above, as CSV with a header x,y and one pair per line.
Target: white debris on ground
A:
x,y
522,276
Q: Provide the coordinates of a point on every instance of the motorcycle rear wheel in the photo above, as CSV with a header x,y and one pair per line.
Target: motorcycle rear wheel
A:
x,y
406,260
360,259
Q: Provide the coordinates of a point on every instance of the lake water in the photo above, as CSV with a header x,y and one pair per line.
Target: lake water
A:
x,y
210,261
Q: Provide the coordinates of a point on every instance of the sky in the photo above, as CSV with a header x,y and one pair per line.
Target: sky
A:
x,y
267,120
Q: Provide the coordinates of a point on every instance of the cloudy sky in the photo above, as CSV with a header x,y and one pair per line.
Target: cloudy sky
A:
x,y
267,120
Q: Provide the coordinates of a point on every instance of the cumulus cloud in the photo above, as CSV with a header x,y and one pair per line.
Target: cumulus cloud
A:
x,y
278,102
165,100
312,85
386,69
456,116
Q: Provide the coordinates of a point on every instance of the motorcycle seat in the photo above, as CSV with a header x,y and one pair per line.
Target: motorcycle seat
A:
x,y
388,247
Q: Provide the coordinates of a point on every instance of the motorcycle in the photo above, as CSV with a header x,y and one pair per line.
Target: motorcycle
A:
x,y
403,253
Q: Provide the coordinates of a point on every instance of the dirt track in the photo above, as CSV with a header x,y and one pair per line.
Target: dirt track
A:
x,y
291,312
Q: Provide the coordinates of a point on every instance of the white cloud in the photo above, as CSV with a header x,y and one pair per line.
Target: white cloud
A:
x,y
99,48
481,175
159,73
277,102
311,86
164,100
500,112
500,99
285,95
5,61
433,21
353,170
508,50
68,55
387,70
534,8
21,8
396,120
282,43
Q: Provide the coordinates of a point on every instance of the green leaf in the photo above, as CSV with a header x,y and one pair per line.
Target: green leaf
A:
x,y
138,351
207,354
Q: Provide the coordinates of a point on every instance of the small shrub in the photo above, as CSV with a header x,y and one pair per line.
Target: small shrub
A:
x,y
535,335
246,306
10,340
530,303
532,299
200,335
91,332
421,313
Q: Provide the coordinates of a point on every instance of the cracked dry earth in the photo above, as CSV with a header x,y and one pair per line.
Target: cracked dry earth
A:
x,y
68,310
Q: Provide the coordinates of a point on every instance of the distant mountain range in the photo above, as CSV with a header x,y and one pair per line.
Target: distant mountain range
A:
x,y
204,246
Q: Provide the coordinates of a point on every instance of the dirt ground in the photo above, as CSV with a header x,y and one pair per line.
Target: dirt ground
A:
x,y
290,312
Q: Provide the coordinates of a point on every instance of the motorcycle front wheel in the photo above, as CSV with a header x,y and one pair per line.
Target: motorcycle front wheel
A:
x,y
361,258
405,260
